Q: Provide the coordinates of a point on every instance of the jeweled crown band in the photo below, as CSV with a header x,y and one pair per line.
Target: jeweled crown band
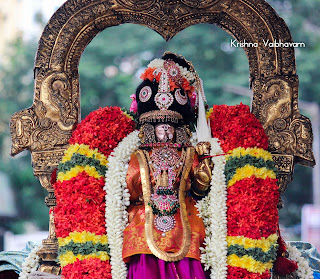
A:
x,y
160,116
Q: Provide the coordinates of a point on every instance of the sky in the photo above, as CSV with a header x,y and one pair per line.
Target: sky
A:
x,y
30,8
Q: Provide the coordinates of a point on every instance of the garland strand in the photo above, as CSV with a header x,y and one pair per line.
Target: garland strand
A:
x,y
117,200
31,263
304,271
213,211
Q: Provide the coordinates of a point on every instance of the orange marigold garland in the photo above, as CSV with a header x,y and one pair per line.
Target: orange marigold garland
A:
x,y
80,211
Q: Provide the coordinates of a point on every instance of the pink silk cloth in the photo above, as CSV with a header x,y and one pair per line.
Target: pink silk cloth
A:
x,y
149,267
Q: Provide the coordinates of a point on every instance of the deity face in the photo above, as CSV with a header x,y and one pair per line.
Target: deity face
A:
x,y
164,132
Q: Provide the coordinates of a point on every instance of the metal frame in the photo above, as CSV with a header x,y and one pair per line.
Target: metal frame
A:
x,y
45,128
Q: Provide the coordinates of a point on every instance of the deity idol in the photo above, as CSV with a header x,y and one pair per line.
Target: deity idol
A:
x,y
166,177
163,202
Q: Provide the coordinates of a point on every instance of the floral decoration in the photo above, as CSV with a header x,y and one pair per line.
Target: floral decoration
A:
x,y
304,270
80,178
250,177
241,237
92,268
188,78
103,128
118,199
213,211
236,126
31,263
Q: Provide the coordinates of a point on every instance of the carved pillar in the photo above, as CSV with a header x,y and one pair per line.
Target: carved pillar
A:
x,y
275,104
285,165
44,163
44,129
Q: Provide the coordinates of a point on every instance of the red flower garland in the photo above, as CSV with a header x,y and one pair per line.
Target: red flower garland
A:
x,y
236,126
103,128
81,199
80,205
238,272
253,195
88,269
251,202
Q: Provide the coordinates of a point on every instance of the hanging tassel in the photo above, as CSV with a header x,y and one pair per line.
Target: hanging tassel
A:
x,y
203,128
283,266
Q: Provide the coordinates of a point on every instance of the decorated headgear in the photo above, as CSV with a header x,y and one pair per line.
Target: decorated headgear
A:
x,y
168,91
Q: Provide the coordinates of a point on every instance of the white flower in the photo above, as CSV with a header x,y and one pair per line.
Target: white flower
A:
x,y
304,270
117,199
159,63
213,211
31,263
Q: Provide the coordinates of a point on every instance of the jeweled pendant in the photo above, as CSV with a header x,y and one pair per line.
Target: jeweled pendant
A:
x,y
164,223
163,100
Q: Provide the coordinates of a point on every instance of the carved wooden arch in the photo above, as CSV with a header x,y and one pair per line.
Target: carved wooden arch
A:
x,y
46,126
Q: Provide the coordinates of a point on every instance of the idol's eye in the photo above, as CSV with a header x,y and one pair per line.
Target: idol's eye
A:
x,y
145,94
181,97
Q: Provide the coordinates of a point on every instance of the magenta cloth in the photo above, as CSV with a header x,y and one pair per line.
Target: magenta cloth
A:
x,y
148,266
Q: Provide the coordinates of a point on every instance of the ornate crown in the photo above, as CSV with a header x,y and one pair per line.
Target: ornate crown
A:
x,y
168,91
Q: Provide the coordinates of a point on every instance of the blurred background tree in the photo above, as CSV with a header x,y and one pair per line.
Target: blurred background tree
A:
x,y
109,73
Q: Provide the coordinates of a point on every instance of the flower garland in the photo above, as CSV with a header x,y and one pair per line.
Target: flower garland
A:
x,y
250,177
304,270
236,126
213,211
245,248
159,63
80,211
31,263
117,200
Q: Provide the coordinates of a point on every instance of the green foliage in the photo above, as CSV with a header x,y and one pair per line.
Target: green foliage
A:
x,y
85,248
124,51
82,160
16,93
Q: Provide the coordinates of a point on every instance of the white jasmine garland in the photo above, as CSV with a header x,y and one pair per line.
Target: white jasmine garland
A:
x,y
31,263
304,271
159,63
117,200
213,211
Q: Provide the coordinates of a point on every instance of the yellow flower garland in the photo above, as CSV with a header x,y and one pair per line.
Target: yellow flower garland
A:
x,y
249,263
264,243
247,171
255,152
69,257
90,170
84,149
82,237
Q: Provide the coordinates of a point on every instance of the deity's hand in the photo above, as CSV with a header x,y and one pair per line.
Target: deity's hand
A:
x,y
203,172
